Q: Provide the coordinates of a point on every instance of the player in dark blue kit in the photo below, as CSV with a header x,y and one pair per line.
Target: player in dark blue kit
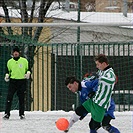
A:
x,y
87,89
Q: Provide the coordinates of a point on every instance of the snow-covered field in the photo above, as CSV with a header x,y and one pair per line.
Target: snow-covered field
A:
x,y
44,122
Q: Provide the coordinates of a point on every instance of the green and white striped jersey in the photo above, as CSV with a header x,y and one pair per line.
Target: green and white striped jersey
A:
x,y
105,87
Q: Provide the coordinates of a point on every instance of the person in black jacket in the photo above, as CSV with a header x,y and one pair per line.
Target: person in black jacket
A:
x,y
17,73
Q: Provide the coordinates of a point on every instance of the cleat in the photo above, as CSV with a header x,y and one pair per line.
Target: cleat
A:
x,y
22,117
6,117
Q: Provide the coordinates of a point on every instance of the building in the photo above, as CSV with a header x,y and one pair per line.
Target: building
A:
x,y
105,5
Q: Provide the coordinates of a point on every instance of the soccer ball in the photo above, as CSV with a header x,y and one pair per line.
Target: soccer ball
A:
x,y
62,124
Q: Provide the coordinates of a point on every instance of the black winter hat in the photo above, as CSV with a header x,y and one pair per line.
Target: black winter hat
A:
x,y
16,49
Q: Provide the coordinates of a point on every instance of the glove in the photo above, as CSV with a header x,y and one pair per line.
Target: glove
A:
x,y
94,76
86,75
91,94
7,77
27,75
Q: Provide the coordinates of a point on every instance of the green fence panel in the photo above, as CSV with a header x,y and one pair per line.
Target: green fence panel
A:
x,y
52,63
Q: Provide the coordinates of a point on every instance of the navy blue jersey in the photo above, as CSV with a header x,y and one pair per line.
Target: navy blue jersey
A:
x,y
88,86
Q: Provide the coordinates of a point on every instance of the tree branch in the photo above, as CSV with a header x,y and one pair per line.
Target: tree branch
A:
x,y
44,6
24,16
7,18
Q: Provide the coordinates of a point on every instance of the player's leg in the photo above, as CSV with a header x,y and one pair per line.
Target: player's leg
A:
x,y
107,126
81,111
79,114
97,114
106,122
95,127
21,95
11,92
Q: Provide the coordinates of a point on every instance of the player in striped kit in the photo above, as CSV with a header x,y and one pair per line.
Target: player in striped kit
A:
x,y
101,100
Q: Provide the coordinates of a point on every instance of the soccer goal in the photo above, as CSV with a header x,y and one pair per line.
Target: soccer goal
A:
x,y
58,50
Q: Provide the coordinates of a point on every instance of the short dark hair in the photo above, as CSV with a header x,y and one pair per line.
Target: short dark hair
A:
x,y
16,49
101,58
71,80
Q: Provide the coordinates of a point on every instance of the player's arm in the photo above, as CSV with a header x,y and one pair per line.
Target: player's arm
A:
x,y
7,76
92,87
28,70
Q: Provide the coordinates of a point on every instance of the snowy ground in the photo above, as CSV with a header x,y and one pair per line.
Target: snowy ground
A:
x,y
44,122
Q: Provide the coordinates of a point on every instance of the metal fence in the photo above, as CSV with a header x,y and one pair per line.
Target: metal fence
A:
x,y
52,63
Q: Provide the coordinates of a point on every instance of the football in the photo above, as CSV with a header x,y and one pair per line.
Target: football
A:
x,y
62,124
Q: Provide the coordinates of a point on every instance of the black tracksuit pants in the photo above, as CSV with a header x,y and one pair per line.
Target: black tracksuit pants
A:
x,y
19,86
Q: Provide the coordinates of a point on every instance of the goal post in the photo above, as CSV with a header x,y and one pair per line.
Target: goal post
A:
x,y
62,50
66,24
